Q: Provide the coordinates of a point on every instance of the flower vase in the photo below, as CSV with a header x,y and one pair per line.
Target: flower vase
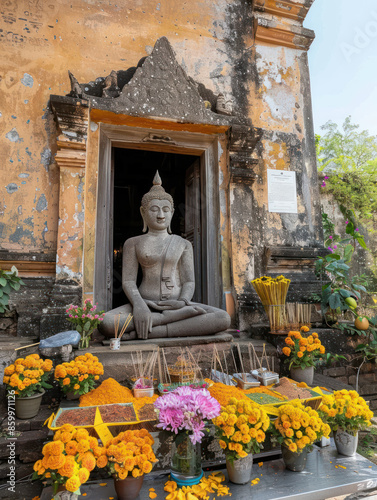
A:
x,y
129,488
84,342
63,494
293,460
186,460
346,443
303,374
28,407
239,470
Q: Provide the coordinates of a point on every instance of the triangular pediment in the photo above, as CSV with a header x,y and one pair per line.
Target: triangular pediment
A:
x,y
157,88
161,88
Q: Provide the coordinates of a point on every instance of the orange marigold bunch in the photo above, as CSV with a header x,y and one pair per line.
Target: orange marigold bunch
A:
x,y
27,376
302,351
129,453
80,374
68,459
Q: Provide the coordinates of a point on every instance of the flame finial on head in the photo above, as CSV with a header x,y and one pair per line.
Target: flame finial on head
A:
x,y
156,192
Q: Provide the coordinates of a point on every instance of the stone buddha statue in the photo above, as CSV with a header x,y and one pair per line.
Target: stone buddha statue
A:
x,y
161,306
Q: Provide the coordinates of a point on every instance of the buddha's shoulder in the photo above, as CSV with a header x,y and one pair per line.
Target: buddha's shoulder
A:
x,y
132,242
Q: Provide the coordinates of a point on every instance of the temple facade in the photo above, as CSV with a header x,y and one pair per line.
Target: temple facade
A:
x,y
99,95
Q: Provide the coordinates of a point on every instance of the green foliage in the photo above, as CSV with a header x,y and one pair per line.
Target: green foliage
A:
x,y
9,280
369,348
334,269
349,159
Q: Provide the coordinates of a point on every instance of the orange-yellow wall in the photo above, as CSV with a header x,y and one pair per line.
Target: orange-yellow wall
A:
x,y
214,42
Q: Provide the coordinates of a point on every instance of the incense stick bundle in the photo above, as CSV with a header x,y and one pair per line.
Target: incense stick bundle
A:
x,y
273,294
124,327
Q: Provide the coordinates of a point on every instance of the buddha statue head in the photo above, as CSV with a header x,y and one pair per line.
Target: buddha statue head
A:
x,y
157,207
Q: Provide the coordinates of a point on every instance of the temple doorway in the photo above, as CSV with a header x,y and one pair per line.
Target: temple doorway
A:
x,y
133,172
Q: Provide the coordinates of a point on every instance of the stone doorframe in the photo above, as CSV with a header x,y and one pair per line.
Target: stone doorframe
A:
x,y
209,146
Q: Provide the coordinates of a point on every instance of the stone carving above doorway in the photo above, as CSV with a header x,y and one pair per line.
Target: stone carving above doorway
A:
x,y
157,87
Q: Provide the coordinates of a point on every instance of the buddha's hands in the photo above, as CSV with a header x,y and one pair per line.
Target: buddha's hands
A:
x,y
142,320
169,305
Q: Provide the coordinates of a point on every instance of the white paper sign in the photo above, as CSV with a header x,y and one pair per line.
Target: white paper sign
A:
x,y
282,192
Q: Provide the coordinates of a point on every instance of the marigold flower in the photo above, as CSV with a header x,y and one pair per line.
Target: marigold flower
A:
x,y
83,475
73,483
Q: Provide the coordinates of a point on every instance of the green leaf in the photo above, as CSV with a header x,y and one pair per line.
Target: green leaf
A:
x,y
3,281
87,326
350,228
334,301
345,293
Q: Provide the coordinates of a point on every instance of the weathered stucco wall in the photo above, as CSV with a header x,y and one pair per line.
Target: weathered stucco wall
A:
x,y
254,53
40,40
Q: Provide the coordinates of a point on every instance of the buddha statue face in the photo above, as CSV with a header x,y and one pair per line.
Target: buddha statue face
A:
x,y
157,215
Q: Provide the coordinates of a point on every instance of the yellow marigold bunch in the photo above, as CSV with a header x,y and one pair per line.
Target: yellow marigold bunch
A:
x,y
80,374
299,426
27,376
241,427
302,351
345,410
69,458
222,393
129,453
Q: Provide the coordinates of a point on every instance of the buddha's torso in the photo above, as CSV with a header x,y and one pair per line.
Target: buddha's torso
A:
x,y
151,255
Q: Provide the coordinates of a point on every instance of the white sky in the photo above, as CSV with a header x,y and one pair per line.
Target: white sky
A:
x,y
343,62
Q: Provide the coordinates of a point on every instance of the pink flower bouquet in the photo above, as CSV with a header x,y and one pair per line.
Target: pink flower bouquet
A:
x,y
187,409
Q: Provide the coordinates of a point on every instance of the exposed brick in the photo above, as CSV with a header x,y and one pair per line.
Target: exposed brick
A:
x,y
373,405
22,470
338,371
342,379
29,439
364,379
368,389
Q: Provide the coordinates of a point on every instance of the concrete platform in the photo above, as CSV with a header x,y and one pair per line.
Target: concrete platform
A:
x,y
327,475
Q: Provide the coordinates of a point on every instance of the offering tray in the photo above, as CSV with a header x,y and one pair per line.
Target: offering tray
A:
x,y
222,377
250,380
265,376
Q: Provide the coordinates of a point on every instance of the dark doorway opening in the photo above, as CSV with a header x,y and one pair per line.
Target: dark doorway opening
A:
x,y
134,170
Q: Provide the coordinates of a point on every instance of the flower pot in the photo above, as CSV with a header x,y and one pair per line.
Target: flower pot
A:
x,y
303,374
28,407
294,461
186,460
239,471
346,444
72,395
142,393
129,488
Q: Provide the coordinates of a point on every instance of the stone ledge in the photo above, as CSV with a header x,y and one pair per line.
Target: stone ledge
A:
x,y
174,342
